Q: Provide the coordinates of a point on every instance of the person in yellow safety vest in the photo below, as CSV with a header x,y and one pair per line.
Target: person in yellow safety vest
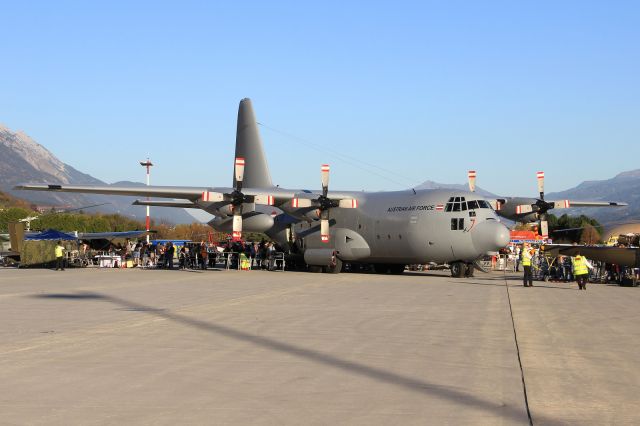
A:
x,y
581,268
59,252
527,255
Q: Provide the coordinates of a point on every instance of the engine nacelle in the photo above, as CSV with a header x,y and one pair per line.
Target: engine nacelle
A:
x,y
251,222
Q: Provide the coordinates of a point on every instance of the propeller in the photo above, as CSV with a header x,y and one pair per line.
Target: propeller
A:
x,y
542,207
323,203
236,199
471,178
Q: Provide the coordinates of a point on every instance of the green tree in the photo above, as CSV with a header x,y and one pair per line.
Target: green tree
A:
x,y
13,214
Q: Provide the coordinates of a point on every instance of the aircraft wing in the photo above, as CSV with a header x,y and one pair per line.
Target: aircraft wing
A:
x,y
595,204
186,193
524,209
618,255
174,192
166,203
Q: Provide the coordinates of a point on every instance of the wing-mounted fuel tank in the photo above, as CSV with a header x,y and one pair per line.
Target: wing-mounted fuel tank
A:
x,y
251,222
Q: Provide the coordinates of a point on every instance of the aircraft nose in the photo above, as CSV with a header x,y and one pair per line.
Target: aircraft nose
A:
x,y
490,235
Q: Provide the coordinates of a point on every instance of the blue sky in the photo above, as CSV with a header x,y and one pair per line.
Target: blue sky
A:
x,y
419,90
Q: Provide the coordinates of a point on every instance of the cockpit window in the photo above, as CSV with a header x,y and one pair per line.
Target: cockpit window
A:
x,y
457,204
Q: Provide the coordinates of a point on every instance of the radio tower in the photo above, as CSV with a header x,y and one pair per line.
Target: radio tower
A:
x,y
148,165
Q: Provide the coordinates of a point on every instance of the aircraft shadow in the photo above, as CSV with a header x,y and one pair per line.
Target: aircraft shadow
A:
x,y
515,413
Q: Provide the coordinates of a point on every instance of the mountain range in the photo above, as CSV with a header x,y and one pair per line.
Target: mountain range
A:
x,y
23,160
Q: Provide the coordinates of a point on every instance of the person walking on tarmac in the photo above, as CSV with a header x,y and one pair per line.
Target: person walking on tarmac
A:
x,y
581,268
527,255
59,252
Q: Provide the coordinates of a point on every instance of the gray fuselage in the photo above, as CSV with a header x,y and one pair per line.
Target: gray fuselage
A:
x,y
407,227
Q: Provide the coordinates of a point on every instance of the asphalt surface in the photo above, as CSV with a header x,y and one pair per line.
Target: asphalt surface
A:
x,y
108,346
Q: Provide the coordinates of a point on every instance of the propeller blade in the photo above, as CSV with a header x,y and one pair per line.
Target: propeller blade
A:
x,y
471,176
524,208
496,205
324,226
540,176
348,203
300,203
239,169
237,225
324,173
212,197
544,229
264,199
563,204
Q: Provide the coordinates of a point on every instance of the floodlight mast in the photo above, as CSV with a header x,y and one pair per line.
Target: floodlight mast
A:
x,y
148,165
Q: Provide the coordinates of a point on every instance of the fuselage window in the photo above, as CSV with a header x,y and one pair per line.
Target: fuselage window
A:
x,y
464,206
448,207
457,224
483,204
472,204
456,207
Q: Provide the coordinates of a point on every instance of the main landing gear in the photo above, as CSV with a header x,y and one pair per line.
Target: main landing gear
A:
x,y
462,269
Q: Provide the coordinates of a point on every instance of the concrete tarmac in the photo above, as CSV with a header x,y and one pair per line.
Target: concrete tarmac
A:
x,y
109,346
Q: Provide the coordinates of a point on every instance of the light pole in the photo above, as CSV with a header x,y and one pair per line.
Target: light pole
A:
x,y
148,165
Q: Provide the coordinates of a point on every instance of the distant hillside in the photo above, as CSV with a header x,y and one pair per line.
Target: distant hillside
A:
x,y
23,160
625,187
8,201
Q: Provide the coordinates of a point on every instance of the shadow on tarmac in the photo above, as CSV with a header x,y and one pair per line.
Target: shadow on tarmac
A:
x,y
514,413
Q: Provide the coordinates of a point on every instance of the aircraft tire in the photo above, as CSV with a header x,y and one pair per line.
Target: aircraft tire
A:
x,y
380,268
469,270
458,269
396,269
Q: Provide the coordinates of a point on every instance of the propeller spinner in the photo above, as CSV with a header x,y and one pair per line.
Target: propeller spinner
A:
x,y
237,198
542,207
323,203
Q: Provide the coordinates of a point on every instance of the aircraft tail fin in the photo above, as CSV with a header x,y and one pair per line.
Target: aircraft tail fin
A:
x,y
249,147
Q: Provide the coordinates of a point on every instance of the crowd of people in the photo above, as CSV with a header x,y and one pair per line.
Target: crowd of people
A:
x,y
187,254
561,268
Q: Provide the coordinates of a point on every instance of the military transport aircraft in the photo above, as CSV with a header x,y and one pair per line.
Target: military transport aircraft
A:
x,y
323,229
529,210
